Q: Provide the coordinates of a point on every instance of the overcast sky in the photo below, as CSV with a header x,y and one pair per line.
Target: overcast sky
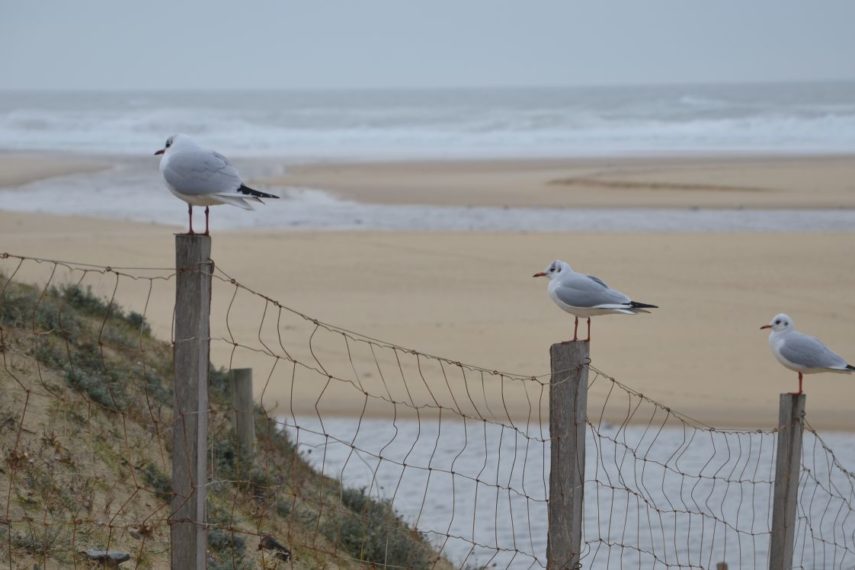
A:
x,y
253,44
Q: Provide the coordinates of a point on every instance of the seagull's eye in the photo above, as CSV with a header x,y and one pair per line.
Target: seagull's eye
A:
x,y
778,322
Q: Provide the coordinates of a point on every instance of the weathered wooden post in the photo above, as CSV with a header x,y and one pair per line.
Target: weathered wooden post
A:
x,y
188,534
788,462
568,400
243,420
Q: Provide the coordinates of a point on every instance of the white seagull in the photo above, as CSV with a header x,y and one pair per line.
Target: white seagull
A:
x,y
802,353
586,296
202,177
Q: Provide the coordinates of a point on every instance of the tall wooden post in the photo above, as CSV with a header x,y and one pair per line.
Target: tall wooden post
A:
x,y
188,534
788,462
568,400
244,410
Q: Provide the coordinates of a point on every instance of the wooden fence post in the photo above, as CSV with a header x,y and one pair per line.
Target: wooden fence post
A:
x,y
243,420
788,462
568,399
188,534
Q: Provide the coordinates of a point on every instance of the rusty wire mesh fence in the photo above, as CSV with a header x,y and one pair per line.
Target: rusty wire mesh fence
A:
x,y
367,454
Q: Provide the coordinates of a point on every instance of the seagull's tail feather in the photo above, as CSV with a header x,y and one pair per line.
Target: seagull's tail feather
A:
x,y
850,368
233,200
613,308
244,189
637,305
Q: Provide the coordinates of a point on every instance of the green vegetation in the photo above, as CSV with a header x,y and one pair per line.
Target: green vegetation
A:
x,y
372,532
85,434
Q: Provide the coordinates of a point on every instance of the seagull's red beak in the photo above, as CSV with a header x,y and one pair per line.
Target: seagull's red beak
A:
x,y
765,327
161,151
539,274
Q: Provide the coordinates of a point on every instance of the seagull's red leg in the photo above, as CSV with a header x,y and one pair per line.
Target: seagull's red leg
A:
x,y
589,329
206,219
575,326
799,393
190,213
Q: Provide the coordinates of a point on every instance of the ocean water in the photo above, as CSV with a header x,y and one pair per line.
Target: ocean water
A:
x,y
669,498
448,123
265,130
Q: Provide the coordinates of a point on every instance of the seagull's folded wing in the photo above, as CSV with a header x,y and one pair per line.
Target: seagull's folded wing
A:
x,y
583,291
201,172
809,352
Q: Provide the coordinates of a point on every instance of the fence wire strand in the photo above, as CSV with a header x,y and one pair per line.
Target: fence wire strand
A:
x,y
368,453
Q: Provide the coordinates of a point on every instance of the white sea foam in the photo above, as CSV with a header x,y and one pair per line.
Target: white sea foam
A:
x,y
449,123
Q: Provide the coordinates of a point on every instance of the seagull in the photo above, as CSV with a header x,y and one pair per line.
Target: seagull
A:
x,y
202,177
802,353
586,296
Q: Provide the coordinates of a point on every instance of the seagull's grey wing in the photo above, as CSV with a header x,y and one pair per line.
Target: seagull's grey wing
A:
x,y
584,291
598,280
809,352
201,172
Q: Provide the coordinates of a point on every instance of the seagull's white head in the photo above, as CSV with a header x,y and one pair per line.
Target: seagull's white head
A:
x,y
175,141
779,323
555,270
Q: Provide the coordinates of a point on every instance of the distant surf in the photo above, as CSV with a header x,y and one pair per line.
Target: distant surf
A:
x,y
449,123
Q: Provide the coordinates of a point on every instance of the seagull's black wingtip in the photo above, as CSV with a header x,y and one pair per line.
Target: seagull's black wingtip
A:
x,y
637,305
850,367
244,189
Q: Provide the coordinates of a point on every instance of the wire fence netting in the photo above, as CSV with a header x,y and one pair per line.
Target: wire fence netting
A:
x,y
367,453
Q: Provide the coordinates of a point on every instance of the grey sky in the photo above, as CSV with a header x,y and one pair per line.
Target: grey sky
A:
x,y
251,44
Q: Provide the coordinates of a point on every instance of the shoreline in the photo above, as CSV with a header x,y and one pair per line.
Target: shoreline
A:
x,y
704,181
710,195
20,168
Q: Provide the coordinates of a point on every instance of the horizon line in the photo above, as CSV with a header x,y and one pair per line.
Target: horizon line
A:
x,y
508,87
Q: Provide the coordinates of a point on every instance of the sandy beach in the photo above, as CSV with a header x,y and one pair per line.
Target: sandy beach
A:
x,y
469,296
768,182
17,168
